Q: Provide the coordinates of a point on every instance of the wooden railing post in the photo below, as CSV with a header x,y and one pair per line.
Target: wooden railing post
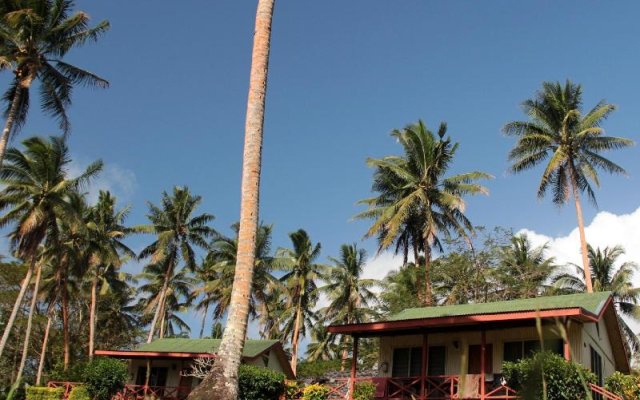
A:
x,y
425,365
354,364
483,348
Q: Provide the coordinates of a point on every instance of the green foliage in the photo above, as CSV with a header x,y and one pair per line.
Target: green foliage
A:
x,y
318,368
627,386
79,393
75,372
548,376
258,383
364,391
315,392
44,393
104,377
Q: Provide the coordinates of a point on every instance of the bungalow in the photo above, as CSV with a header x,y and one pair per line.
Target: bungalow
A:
x,y
457,351
167,361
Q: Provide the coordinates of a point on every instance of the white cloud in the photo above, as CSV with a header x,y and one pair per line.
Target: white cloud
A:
x,y
119,181
606,229
379,266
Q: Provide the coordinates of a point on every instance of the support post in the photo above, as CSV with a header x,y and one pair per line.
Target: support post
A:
x,y
147,377
425,364
565,340
483,358
354,364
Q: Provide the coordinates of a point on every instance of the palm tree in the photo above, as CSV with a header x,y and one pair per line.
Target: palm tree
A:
x,y
221,260
177,232
301,278
523,271
35,36
400,289
222,381
105,250
605,277
176,295
571,141
323,345
413,189
37,188
351,298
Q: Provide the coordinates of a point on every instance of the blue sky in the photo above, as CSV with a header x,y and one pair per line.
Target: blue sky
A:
x,y
343,74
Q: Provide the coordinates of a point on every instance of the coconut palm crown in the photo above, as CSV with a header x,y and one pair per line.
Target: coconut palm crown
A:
x,y
569,143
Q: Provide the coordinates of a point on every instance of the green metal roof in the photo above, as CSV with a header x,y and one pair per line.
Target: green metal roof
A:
x,y
590,302
252,348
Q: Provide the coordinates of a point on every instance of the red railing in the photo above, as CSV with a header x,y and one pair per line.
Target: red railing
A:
x,y
602,393
135,392
66,385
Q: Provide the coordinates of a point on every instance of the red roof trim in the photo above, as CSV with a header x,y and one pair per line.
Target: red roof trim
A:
x,y
151,354
371,327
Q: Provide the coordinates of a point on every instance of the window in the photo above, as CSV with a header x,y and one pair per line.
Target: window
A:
x,y
157,377
596,365
408,361
515,351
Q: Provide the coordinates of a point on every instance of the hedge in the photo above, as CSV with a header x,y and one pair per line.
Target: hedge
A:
x,y
258,383
79,392
549,372
104,377
44,393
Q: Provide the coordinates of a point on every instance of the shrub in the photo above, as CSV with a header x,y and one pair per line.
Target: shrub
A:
x,y
623,385
79,392
104,377
318,368
315,392
258,383
43,393
563,380
73,374
364,391
293,390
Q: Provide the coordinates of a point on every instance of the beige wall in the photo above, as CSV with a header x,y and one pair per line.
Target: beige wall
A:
x,y
457,345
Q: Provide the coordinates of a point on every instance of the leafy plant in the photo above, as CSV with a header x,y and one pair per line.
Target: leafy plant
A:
x,y
315,392
104,377
79,393
627,386
44,393
548,376
364,391
318,368
258,383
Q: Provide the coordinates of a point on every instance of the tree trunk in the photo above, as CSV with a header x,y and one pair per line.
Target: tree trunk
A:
x,y
45,342
163,322
416,262
32,309
92,313
16,305
222,381
11,118
295,338
204,319
65,322
160,306
428,295
583,239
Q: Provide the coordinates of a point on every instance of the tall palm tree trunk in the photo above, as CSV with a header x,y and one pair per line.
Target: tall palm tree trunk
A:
x,y
160,306
27,335
163,324
11,118
92,314
295,338
204,319
222,381
428,298
16,305
45,342
416,262
65,323
583,240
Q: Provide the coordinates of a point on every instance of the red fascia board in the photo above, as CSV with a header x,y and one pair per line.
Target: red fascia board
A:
x,y
578,313
151,354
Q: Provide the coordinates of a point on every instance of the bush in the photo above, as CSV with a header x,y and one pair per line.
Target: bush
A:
x,y
318,368
44,393
623,385
258,383
104,377
79,392
73,374
364,391
292,390
315,392
564,380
